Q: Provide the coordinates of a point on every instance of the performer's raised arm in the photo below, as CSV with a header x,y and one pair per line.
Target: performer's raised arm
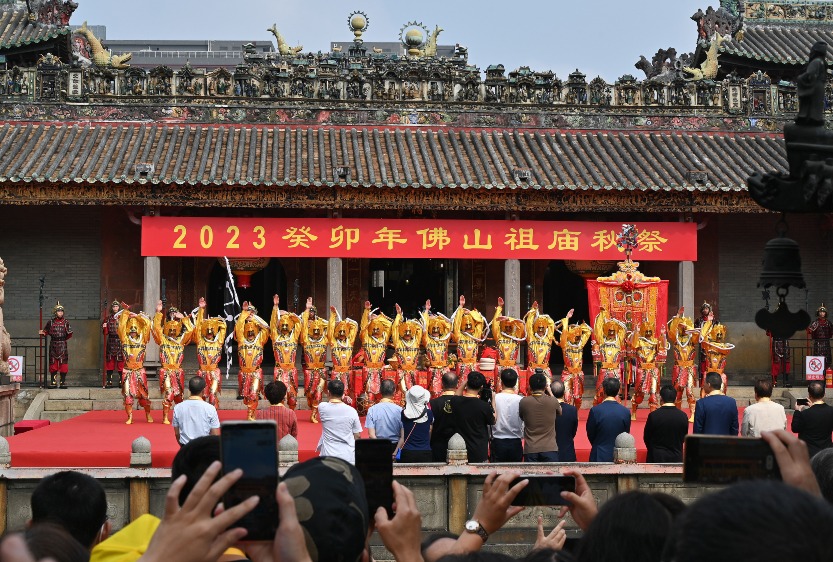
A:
x,y
457,320
529,320
156,329
598,325
497,316
365,318
188,332
394,330
331,325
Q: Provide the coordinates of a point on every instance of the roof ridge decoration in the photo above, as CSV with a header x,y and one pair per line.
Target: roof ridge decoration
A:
x,y
101,57
47,12
789,12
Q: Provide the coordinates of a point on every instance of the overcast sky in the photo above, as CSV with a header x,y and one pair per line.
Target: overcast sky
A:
x,y
599,37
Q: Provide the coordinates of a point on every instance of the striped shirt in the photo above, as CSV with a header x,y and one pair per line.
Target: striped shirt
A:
x,y
284,417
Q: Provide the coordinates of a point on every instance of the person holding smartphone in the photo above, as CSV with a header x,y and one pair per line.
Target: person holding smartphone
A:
x,y
814,422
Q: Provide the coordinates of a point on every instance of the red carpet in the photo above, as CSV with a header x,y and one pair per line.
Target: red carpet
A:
x,y
101,439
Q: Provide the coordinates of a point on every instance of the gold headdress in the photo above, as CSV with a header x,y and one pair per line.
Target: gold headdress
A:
x,y
442,326
718,332
58,306
318,325
704,306
115,303
409,326
821,309
212,323
512,327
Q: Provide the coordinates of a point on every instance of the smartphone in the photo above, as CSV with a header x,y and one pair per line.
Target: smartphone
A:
x,y
721,460
544,489
253,447
374,461
802,401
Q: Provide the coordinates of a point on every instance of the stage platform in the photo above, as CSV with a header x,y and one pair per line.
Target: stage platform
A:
x,y
101,439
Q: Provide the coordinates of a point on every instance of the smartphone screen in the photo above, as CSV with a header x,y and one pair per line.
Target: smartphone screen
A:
x,y
803,401
721,460
544,489
252,446
374,461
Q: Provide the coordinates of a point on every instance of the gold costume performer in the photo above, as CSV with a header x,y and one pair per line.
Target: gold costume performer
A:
x,y
341,335
572,341
608,349
406,337
650,353
508,333
540,334
209,334
134,333
285,328
374,334
684,339
715,350
468,331
251,332
172,337
314,339
436,331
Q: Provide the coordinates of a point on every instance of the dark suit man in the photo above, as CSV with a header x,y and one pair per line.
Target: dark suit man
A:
x,y
566,425
666,429
715,414
606,421
814,423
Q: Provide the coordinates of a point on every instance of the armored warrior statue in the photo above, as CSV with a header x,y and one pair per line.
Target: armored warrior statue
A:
x,y
508,333
436,331
374,333
314,340
540,335
650,353
341,335
779,352
705,311
821,331
468,331
172,338
608,349
684,339
114,360
251,333
209,334
406,336
572,341
134,333
59,331
285,329
715,348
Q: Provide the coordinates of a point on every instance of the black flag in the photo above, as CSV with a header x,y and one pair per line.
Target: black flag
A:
x,y
231,308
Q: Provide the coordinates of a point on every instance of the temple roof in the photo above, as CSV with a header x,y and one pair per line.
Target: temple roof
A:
x,y
784,44
384,157
16,30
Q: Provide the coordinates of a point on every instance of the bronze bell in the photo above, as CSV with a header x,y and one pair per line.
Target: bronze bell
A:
x,y
782,264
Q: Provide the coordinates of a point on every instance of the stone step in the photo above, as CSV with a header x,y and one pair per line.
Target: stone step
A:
x,y
59,416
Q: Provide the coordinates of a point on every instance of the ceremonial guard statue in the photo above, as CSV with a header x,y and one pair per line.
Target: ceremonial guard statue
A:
x,y
684,339
435,335
468,331
540,334
134,333
508,333
821,331
114,359
251,332
210,334
314,340
406,337
341,335
374,333
573,339
59,331
285,329
608,349
650,352
172,337
716,349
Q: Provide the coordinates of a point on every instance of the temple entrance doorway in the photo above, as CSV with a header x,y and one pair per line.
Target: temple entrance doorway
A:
x,y
562,291
409,282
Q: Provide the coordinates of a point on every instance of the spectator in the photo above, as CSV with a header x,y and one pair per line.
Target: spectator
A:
x,y
666,429
538,412
54,542
715,414
764,414
384,419
193,460
507,444
566,425
340,425
194,417
415,436
74,501
822,464
473,414
606,421
814,423
284,417
444,427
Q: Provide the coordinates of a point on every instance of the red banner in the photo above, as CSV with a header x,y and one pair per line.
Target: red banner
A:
x,y
411,238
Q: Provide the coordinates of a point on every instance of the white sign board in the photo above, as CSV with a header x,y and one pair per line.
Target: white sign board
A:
x,y
16,368
814,367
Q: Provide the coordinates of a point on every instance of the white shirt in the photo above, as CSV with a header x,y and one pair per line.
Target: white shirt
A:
x,y
194,418
338,424
509,424
765,415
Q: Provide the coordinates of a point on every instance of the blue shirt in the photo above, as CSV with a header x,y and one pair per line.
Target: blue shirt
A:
x,y
420,437
385,418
